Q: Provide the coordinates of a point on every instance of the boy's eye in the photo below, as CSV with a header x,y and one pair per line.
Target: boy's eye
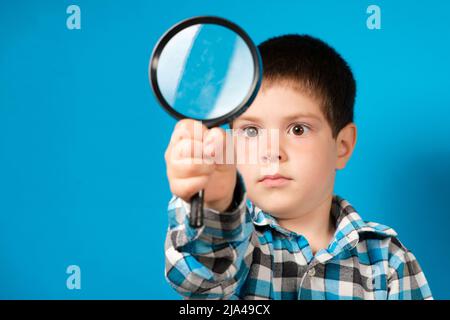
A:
x,y
250,131
298,129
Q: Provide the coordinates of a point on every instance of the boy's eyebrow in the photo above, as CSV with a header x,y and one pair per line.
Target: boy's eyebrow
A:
x,y
287,118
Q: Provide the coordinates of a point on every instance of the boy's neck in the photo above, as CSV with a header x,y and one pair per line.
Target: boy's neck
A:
x,y
317,226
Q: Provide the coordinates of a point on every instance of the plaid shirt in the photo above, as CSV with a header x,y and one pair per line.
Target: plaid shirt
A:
x,y
245,254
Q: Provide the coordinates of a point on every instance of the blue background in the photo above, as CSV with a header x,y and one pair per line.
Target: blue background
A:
x,y
82,174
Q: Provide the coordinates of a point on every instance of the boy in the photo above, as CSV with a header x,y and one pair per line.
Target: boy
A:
x,y
283,235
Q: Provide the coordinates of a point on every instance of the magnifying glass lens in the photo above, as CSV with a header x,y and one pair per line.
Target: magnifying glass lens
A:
x,y
205,71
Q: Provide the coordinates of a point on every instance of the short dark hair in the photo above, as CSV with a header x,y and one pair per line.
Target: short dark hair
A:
x,y
314,67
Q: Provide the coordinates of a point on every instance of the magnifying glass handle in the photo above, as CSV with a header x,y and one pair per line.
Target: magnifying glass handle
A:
x,y
196,217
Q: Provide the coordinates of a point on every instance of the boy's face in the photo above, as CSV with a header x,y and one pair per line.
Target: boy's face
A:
x,y
307,152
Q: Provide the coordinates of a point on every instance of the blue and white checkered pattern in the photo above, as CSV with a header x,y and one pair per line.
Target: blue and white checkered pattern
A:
x,y
246,254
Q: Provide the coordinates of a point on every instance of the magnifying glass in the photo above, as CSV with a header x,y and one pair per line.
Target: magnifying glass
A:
x,y
208,69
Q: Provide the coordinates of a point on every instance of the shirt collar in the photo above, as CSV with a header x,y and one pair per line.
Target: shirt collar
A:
x,y
349,225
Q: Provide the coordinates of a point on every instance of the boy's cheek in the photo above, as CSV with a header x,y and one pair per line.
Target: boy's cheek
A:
x,y
318,154
245,171
250,174
315,168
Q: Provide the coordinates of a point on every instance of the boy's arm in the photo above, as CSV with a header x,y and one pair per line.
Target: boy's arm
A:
x,y
210,262
407,280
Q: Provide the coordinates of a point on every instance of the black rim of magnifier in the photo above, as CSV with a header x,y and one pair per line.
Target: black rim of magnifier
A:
x,y
257,75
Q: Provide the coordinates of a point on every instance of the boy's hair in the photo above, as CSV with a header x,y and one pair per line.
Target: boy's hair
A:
x,y
312,66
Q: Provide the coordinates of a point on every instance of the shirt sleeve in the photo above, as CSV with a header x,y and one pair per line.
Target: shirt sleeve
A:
x,y
212,261
407,280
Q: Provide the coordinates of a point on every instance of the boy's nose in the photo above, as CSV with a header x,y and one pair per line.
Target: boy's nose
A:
x,y
271,158
271,148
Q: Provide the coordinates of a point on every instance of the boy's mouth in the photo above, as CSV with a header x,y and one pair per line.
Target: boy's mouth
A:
x,y
276,180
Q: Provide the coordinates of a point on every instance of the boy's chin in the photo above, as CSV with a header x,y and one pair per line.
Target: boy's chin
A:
x,y
277,210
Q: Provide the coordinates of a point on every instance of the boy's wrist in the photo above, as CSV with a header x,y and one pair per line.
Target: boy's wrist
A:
x,y
220,205
231,203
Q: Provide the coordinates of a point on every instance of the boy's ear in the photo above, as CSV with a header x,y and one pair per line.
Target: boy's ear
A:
x,y
345,143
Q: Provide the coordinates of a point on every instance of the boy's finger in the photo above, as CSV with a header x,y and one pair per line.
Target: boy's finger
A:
x,y
188,128
187,149
214,135
186,188
187,168
178,134
217,142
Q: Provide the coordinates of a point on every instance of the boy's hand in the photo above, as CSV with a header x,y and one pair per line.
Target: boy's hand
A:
x,y
191,168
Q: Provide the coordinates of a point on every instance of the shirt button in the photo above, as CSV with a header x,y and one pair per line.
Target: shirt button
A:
x,y
311,272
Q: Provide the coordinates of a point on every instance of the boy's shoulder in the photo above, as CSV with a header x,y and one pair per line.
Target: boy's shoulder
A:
x,y
377,229
386,236
345,215
372,236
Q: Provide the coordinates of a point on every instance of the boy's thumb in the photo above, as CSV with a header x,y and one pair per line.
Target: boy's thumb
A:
x,y
215,141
